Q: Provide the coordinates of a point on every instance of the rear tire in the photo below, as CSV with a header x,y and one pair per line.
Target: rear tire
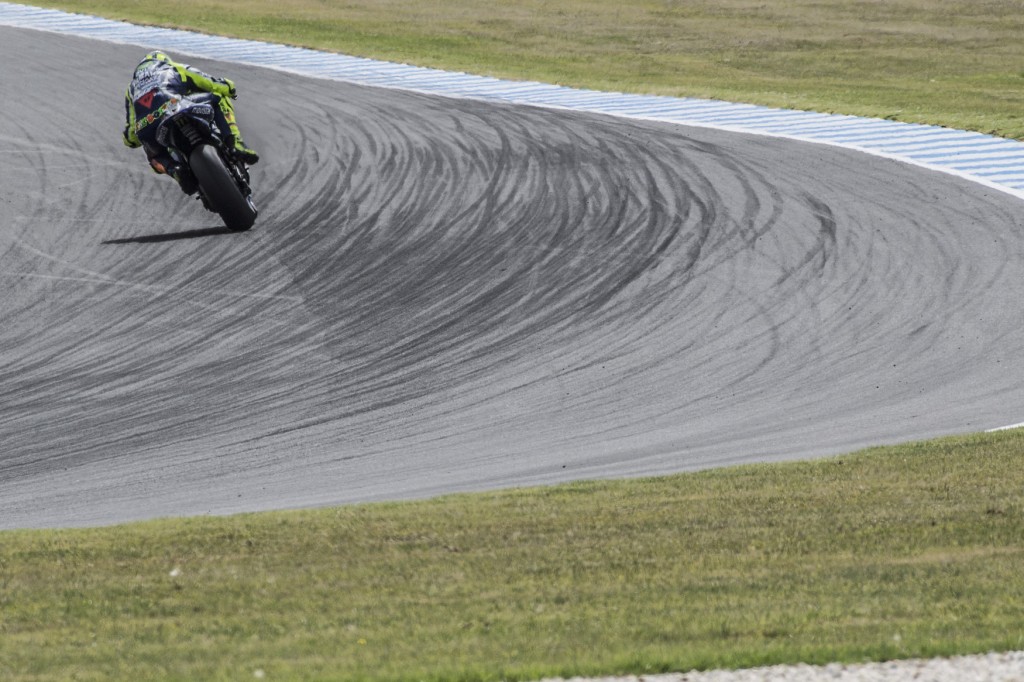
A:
x,y
220,189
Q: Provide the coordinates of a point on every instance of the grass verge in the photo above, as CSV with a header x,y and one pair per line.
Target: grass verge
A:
x,y
957,63
902,551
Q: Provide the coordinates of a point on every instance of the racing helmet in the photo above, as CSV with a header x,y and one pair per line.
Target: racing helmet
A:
x,y
154,56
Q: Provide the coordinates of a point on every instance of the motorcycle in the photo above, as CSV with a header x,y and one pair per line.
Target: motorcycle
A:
x,y
188,128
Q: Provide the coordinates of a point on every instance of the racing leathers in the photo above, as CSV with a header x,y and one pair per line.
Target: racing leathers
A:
x,y
157,79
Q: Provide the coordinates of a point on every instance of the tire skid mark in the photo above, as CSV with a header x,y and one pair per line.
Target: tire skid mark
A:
x,y
444,295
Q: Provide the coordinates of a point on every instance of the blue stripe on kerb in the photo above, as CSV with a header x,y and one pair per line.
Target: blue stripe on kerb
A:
x,y
986,159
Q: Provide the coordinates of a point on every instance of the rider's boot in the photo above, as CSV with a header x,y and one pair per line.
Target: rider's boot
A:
x,y
188,183
247,155
164,163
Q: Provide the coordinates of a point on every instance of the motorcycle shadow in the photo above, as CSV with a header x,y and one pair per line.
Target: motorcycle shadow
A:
x,y
171,236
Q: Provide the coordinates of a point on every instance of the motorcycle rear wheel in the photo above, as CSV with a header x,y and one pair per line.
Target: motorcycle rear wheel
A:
x,y
218,186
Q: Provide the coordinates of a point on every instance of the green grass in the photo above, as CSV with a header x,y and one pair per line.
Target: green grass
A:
x,y
958,63
906,551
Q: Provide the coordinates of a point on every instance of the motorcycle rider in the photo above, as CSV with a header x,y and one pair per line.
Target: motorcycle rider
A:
x,y
157,78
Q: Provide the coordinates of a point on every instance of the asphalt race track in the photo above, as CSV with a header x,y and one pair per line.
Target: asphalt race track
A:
x,y
444,295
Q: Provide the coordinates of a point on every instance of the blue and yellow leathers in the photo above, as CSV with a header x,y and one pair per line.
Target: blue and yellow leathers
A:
x,y
156,80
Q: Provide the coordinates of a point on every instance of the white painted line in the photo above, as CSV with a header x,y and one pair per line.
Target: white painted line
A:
x,y
1006,428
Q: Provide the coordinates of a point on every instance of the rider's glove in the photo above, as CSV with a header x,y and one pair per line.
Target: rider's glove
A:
x,y
232,93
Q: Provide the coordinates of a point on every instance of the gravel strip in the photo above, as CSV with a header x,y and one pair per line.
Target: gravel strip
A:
x,y
1004,667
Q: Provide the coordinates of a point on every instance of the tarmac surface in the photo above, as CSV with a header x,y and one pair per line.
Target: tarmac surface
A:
x,y
444,295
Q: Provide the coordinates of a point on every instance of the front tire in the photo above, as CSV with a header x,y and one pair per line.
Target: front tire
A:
x,y
220,189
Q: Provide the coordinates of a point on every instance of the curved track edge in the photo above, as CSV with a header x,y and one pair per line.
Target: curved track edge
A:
x,y
991,161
